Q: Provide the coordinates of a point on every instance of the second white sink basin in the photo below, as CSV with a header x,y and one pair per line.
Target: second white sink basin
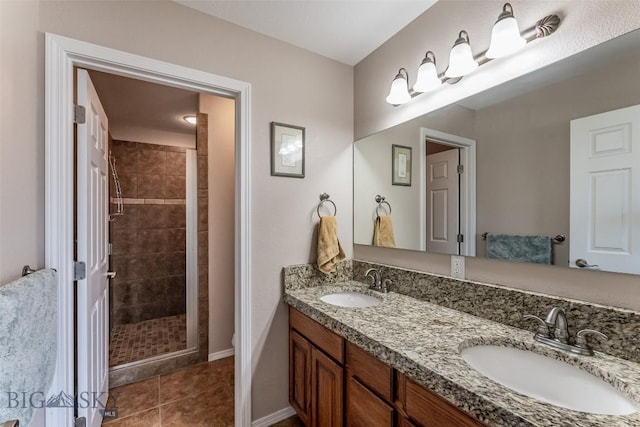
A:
x,y
548,380
350,299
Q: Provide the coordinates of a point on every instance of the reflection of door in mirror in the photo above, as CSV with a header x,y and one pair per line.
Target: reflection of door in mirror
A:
x,y
605,191
443,198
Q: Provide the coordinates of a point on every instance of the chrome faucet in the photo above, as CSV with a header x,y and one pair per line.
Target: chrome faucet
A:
x,y
554,332
377,284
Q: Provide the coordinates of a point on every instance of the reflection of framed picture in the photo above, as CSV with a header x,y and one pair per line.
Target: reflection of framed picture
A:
x,y
401,165
287,150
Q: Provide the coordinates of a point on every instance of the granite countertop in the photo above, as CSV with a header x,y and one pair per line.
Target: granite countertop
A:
x,y
423,341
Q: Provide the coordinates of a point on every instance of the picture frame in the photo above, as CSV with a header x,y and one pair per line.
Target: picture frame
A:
x,y
287,150
400,165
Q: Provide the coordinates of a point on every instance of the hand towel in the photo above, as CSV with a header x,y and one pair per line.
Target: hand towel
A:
x,y
330,252
383,232
536,249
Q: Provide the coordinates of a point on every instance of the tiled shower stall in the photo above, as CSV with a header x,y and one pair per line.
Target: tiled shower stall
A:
x,y
148,294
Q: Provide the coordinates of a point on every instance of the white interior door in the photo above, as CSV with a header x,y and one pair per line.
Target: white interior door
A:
x,y
93,299
605,191
442,202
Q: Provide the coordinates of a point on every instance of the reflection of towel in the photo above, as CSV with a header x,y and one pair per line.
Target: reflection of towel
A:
x,y
383,232
536,249
330,252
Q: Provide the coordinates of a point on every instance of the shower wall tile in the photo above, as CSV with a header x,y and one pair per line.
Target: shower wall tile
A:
x,y
127,221
152,186
126,267
152,161
203,214
202,171
124,242
128,185
175,187
176,163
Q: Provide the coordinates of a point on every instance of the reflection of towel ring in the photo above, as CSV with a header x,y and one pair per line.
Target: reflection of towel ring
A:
x,y
381,199
324,197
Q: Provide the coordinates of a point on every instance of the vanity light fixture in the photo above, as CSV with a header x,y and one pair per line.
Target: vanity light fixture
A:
x,y
399,93
506,38
190,119
461,60
428,79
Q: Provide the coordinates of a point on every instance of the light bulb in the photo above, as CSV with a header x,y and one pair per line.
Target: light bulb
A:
x,y
399,93
428,79
505,36
461,60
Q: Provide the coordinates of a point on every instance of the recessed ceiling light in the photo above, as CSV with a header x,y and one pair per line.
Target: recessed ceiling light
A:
x,y
190,119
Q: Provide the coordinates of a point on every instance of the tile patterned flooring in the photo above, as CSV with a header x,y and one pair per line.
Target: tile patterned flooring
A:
x,y
138,341
197,396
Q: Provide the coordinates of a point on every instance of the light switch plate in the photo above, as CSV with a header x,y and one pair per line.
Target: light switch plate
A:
x,y
457,266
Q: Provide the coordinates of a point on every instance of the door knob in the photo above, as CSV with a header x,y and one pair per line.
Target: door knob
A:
x,y
582,263
111,274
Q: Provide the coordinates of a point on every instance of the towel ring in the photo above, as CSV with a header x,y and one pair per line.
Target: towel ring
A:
x,y
381,199
324,197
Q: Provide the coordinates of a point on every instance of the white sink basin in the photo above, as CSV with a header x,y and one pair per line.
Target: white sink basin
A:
x,y
548,380
350,299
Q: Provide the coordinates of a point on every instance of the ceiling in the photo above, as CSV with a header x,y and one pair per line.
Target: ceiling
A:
x,y
133,104
344,30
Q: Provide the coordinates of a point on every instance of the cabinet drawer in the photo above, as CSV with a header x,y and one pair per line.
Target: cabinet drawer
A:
x,y
329,342
369,371
365,409
428,409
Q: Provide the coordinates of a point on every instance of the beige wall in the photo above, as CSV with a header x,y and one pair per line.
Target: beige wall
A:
x,y
584,24
221,112
289,85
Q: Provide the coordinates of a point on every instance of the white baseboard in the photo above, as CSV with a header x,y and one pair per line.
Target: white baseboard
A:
x,y
277,416
221,354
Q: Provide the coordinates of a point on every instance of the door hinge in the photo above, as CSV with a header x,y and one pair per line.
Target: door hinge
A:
x,y
460,238
110,249
460,169
79,270
79,115
80,422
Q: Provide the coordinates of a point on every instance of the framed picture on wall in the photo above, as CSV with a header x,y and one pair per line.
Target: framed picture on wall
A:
x,y
400,165
287,150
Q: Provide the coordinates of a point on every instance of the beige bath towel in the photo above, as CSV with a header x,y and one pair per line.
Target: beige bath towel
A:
x,y
330,252
383,232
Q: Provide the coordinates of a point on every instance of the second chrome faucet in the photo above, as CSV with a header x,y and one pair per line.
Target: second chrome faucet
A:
x,y
377,283
554,332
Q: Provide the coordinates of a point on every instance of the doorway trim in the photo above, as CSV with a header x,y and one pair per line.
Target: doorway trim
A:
x,y
467,188
62,54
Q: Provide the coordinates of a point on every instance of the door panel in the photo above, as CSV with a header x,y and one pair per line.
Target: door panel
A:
x,y
442,202
326,394
92,292
605,186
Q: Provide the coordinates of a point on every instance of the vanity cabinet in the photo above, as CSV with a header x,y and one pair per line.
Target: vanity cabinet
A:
x,y
425,408
316,374
334,383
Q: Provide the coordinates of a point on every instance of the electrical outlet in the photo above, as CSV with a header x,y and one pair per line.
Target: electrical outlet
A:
x,y
457,266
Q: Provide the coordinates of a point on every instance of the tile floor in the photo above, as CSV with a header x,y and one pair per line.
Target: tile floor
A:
x,y
197,396
139,341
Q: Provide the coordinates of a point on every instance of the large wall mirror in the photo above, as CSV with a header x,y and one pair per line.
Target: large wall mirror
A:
x,y
548,160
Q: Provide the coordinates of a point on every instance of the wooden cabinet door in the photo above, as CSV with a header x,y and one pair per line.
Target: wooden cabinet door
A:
x,y
365,409
430,410
300,375
326,391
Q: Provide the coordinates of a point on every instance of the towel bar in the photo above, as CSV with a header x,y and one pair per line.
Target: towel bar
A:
x,y
556,239
380,200
324,197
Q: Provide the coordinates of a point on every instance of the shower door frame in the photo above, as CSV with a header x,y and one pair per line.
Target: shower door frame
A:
x,y
62,54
